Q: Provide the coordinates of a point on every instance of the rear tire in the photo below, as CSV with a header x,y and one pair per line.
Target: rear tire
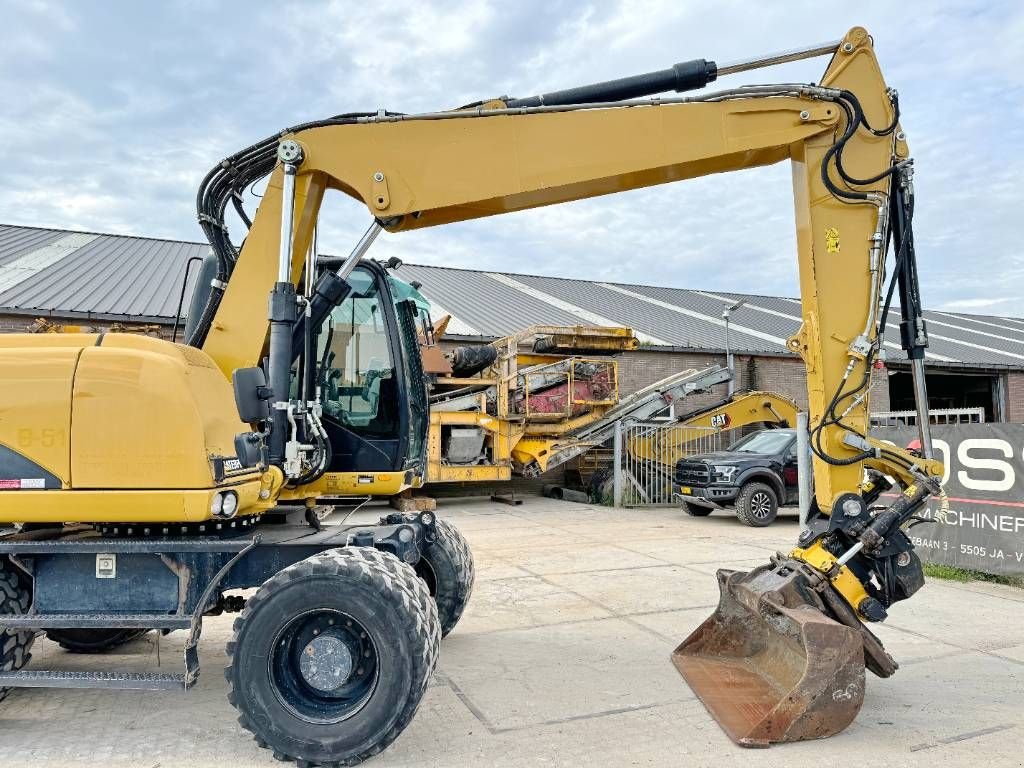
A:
x,y
93,640
446,566
757,505
331,657
15,598
695,510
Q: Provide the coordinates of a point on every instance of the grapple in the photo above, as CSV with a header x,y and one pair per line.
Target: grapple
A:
x,y
773,663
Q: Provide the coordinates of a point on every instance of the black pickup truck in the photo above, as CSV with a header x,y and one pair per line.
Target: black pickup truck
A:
x,y
756,475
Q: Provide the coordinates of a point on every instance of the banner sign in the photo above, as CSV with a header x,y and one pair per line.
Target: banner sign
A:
x,y
983,529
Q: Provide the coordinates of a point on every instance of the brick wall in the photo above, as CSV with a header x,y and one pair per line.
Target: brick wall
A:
x,y
1015,397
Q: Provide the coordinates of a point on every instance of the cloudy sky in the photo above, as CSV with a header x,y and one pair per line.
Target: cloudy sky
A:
x,y
113,112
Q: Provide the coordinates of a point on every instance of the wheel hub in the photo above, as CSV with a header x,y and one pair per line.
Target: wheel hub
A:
x,y
326,663
761,505
324,666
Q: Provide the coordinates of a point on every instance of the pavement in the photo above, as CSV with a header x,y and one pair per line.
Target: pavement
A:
x,y
562,659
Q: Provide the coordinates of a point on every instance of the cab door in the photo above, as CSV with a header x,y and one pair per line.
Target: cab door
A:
x,y
364,379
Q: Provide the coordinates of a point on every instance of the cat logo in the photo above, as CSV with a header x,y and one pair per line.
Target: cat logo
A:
x,y
832,240
720,420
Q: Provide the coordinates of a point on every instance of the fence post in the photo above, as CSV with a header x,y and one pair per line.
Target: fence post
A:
x,y
617,464
804,470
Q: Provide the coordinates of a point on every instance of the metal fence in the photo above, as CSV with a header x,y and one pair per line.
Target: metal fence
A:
x,y
646,455
935,416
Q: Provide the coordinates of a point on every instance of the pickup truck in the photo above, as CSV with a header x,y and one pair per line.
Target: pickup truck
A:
x,y
755,475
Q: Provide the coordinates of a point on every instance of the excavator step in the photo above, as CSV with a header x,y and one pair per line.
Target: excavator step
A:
x,y
133,681
95,621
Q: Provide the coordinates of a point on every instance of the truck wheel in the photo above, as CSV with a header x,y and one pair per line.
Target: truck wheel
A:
x,y
93,640
331,656
757,505
695,510
15,598
447,568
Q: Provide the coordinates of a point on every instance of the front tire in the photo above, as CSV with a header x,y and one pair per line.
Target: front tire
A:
x,y
15,599
757,505
331,657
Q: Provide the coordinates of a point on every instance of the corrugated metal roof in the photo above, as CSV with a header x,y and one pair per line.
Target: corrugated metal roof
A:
x,y
133,278
111,277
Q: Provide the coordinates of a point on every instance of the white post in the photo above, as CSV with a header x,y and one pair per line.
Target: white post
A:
x,y
617,464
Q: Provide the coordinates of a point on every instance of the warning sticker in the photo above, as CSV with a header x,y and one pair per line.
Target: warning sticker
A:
x,y
23,484
832,240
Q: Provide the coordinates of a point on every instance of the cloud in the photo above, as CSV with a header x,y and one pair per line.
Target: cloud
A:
x,y
115,111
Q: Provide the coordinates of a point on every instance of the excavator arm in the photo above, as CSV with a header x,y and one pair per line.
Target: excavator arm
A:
x,y
740,410
853,195
414,171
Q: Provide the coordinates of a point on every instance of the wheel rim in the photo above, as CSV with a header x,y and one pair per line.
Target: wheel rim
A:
x,y
324,666
761,505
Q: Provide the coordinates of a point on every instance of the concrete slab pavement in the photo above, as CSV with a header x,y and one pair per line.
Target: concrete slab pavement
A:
x,y
562,659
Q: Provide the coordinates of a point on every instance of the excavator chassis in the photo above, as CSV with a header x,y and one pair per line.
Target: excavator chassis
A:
x,y
782,658
78,579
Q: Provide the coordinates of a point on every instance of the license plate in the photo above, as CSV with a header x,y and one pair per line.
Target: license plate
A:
x,y
685,489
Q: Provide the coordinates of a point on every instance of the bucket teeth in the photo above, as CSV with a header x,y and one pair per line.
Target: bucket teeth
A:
x,y
769,664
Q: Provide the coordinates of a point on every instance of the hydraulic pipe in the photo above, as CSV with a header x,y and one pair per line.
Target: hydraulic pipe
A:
x,y
782,57
332,288
685,76
282,316
804,470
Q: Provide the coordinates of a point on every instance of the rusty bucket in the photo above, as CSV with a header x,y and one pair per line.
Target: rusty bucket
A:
x,y
769,664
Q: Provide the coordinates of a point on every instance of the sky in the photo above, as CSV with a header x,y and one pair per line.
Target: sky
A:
x,y
114,111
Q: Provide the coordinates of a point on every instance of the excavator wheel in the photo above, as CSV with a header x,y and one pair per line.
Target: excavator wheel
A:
x,y
15,598
331,657
446,566
93,640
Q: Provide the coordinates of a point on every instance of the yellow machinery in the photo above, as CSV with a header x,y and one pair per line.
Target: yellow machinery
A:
x,y
521,410
132,437
740,410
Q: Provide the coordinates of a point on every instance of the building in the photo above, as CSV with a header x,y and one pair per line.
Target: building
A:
x,y
104,281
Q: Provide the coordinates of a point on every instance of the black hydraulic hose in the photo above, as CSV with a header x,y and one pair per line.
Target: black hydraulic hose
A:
x,y
225,183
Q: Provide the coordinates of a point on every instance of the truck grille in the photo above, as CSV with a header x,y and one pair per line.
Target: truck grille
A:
x,y
693,473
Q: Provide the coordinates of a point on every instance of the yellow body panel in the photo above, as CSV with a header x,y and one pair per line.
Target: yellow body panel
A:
x,y
129,424
352,484
149,415
126,506
35,408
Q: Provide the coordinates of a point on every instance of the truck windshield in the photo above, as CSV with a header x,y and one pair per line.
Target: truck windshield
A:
x,y
768,441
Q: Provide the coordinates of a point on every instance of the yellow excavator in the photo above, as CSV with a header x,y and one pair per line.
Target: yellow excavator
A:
x,y
144,479
741,409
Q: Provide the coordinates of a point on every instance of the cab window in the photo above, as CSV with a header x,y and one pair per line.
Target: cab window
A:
x,y
357,372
